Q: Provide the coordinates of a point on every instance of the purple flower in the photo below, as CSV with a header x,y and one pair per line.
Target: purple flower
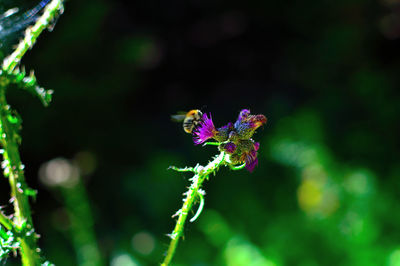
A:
x,y
234,139
245,152
205,130
247,124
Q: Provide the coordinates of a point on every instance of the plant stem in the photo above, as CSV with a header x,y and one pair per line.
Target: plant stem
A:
x,y
5,221
32,33
201,174
9,139
13,169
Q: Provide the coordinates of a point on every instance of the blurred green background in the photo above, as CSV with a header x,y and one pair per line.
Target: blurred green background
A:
x,y
325,73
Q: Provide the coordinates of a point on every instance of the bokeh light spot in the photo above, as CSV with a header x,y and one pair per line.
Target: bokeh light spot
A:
x,y
394,258
359,183
240,252
309,194
59,172
143,243
123,260
214,227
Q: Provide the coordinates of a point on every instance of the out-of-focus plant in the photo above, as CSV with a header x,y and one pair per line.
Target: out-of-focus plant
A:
x,y
339,197
18,232
65,177
237,150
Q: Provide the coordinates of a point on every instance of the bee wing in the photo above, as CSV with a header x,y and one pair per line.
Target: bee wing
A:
x,y
178,117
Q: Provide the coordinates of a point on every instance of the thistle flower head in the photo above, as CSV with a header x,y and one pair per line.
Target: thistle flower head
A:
x,y
235,139
246,152
247,124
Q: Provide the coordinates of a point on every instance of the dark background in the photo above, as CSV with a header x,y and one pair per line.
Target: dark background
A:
x,y
325,73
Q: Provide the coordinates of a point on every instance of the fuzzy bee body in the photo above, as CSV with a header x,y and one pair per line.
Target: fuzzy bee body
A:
x,y
190,119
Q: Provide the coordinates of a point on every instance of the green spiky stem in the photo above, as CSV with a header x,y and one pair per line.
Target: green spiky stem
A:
x,y
32,33
9,139
200,175
5,221
14,170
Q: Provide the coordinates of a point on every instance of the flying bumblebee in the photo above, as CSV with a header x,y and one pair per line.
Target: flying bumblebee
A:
x,y
190,119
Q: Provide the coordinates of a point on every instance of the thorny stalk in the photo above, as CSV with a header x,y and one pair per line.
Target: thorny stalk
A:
x,y
194,192
13,169
10,125
52,10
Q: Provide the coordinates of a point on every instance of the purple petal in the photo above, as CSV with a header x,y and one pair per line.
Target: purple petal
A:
x,y
205,130
251,159
243,114
257,120
251,163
